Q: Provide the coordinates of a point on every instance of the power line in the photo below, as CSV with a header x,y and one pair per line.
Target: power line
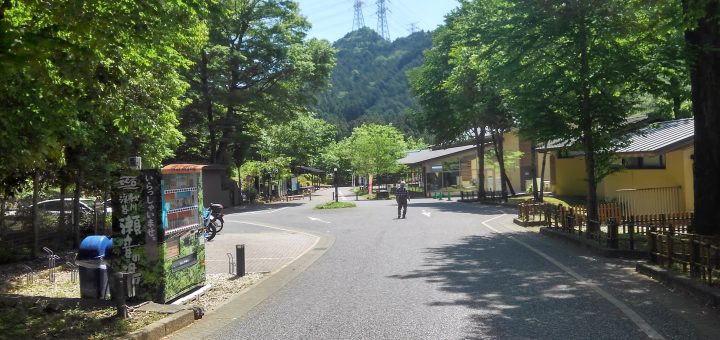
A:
x,y
358,19
382,24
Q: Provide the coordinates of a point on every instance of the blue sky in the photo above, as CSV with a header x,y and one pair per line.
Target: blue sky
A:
x,y
332,19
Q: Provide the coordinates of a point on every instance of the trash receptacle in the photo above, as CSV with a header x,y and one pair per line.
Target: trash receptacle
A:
x,y
93,268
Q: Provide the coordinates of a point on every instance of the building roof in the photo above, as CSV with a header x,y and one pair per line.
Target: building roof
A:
x,y
307,169
657,137
416,157
662,137
182,168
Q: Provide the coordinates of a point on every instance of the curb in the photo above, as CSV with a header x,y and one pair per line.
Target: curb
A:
x,y
708,295
164,327
593,246
242,303
529,223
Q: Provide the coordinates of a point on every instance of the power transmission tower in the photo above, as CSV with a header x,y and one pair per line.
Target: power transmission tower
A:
x,y
413,27
358,20
382,25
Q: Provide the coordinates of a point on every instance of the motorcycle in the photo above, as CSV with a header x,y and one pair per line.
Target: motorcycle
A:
x,y
216,210
209,225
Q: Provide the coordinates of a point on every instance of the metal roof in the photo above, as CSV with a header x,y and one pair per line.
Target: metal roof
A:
x,y
416,157
655,138
662,137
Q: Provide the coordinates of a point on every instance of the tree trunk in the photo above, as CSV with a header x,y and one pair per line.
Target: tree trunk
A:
x,y
35,216
586,124
533,171
63,214
542,174
104,211
480,150
204,76
676,98
76,208
3,206
704,43
497,139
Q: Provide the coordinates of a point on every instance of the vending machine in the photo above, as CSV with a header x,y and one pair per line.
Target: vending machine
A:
x,y
157,230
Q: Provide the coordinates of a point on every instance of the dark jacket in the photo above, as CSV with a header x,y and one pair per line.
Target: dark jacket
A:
x,y
401,195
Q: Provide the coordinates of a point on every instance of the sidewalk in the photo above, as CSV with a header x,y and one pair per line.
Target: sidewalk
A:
x,y
282,252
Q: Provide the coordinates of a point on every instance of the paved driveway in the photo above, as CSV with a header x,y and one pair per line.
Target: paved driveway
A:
x,y
456,271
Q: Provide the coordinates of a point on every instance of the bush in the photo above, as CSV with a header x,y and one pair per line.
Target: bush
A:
x,y
249,194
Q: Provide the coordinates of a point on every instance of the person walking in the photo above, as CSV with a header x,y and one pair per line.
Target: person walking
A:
x,y
401,197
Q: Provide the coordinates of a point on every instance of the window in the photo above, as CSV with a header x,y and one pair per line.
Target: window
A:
x,y
646,162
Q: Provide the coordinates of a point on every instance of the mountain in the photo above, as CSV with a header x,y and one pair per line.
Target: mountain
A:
x,y
369,82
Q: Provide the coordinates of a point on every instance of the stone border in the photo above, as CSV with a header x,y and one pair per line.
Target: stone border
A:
x,y
529,223
164,326
593,246
710,296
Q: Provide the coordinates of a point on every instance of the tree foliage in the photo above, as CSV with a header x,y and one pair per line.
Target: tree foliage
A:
x,y
375,149
369,84
257,69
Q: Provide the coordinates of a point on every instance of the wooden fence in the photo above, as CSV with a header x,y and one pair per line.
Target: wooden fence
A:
x,y
696,255
617,230
473,196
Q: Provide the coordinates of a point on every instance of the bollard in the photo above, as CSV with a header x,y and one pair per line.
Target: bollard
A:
x,y
613,233
357,196
118,295
310,192
240,258
448,195
440,195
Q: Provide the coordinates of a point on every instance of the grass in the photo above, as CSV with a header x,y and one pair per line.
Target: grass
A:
x,y
45,320
49,313
335,205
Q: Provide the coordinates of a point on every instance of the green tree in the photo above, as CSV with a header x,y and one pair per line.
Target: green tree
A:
x,y
590,53
83,94
256,70
301,139
375,149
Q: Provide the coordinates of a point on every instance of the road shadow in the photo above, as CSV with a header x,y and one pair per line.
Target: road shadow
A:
x,y
512,293
463,208
260,207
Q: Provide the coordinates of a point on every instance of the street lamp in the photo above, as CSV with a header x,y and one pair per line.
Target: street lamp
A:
x,y
335,179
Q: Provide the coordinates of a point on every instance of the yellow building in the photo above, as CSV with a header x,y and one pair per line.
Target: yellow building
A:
x,y
456,169
656,175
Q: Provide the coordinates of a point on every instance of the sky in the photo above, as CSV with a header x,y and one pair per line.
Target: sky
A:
x,y
332,19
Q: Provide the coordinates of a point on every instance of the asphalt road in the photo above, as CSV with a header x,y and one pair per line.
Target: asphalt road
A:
x,y
457,271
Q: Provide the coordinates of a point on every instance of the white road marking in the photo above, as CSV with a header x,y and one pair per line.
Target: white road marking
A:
x,y
261,212
426,213
631,314
319,220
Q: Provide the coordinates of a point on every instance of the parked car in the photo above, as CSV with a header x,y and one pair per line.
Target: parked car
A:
x,y
50,210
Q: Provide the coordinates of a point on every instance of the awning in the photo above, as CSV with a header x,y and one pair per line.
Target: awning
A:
x,y
307,169
182,168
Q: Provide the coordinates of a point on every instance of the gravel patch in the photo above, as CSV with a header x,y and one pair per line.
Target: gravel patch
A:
x,y
224,287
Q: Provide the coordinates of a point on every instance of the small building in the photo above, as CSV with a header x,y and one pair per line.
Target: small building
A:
x,y
456,168
656,175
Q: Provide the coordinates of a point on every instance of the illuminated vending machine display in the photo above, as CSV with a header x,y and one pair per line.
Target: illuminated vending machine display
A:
x,y
157,234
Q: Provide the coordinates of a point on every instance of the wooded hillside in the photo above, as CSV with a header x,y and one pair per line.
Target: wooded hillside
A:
x,y
369,82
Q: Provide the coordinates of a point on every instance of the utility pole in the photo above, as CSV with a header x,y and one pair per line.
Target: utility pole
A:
x,y
413,27
382,25
358,20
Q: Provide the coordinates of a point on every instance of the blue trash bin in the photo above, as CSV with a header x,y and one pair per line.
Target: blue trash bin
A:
x,y
93,268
